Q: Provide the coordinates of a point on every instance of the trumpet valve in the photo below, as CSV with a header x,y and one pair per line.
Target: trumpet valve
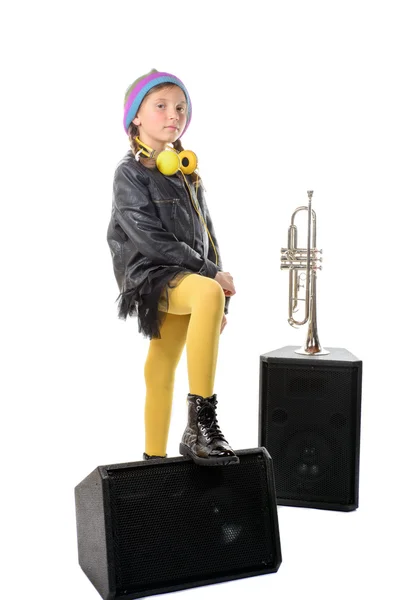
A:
x,y
296,258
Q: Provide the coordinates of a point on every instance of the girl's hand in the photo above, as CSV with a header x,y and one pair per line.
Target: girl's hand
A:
x,y
225,280
223,322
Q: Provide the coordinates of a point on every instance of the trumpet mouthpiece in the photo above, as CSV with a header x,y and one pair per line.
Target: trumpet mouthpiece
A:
x,y
310,193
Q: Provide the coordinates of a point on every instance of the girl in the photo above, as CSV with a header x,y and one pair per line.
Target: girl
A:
x,y
167,265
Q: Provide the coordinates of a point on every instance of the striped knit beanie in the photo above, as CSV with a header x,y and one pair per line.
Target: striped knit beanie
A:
x,y
139,88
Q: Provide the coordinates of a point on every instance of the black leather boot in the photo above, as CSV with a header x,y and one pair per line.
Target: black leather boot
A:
x,y
202,439
150,457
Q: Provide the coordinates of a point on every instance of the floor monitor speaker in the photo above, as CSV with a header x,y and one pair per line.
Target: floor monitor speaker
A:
x,y
162,525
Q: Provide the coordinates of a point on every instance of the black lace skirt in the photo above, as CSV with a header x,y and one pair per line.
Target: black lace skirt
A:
x,y
149,301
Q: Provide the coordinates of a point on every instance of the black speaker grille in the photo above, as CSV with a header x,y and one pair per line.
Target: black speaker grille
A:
x,y
226,526
310,431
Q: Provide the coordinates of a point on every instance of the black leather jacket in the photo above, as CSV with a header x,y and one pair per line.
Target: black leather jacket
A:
x,y
155,233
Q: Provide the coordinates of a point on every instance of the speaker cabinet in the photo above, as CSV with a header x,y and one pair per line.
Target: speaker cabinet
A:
x,y
309,421
162,525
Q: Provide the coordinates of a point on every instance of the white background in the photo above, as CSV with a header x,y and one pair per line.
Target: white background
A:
x,y
287,96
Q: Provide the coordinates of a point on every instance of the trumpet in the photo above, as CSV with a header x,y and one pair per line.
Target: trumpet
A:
x,y
303,264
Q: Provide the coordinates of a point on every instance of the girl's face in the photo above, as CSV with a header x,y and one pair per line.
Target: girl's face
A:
x,y
161,117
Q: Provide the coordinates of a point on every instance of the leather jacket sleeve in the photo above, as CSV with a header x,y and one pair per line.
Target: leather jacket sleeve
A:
x,y
210,227
136,215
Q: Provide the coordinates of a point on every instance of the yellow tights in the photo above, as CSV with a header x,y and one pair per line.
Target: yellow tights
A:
x,y
196,308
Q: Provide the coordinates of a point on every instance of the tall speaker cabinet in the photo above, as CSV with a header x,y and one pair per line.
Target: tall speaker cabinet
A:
x,y
309,421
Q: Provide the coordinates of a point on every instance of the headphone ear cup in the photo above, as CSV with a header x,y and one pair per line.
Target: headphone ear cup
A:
x,y
168,162
188,161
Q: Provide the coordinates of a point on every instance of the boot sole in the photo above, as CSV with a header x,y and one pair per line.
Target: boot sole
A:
x,y
216,461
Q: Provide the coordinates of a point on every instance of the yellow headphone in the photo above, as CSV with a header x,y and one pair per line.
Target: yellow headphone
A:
x,y
169,162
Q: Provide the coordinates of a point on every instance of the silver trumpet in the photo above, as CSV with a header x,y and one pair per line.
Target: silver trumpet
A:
x,y
303,264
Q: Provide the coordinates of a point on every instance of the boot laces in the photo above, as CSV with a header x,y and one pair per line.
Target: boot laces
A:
x,y
207,419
